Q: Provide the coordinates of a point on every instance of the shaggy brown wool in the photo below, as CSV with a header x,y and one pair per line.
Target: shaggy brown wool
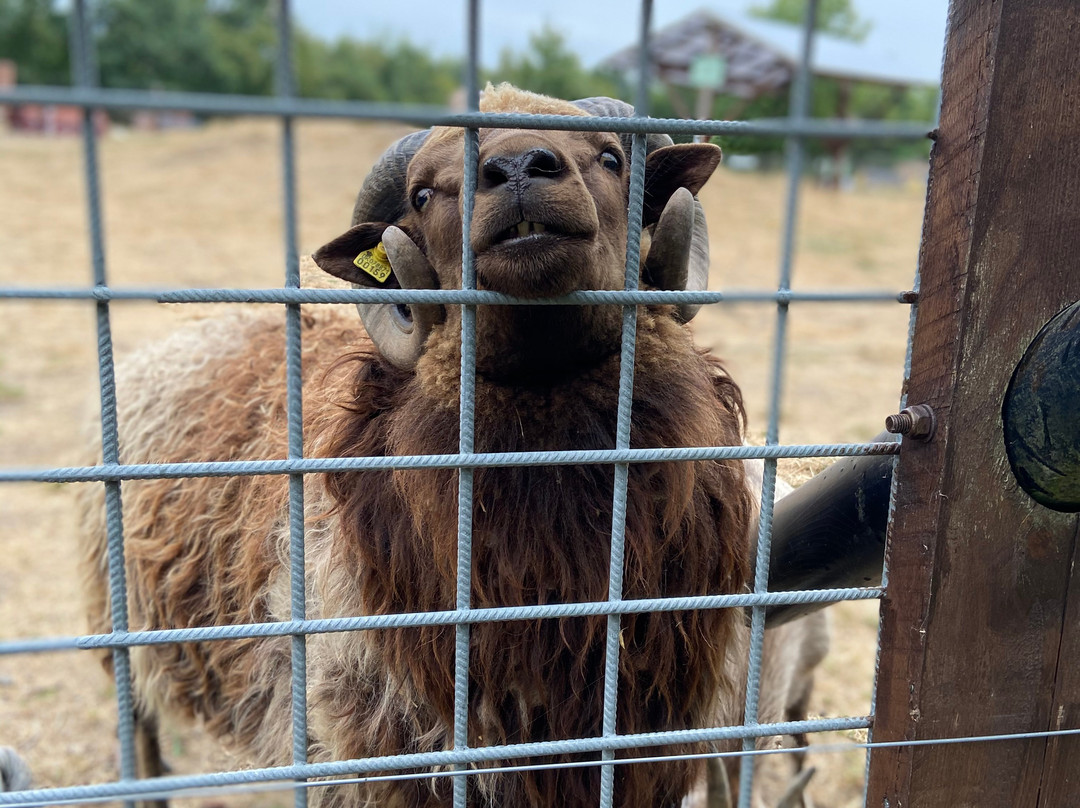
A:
x,y
211,551
542,535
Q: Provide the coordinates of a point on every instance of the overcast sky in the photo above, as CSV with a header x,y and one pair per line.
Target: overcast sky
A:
x,y
593,28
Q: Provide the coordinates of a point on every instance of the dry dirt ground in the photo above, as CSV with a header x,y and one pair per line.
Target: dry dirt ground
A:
x,y
202,208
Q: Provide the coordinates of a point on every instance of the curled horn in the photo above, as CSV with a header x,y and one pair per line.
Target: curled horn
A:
x,y
398,331
602,107
382,196
672,264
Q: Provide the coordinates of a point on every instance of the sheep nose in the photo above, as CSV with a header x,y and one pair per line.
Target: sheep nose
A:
x,y
516,167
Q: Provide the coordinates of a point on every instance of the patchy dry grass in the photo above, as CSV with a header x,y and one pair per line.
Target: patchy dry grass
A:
x,y
202,208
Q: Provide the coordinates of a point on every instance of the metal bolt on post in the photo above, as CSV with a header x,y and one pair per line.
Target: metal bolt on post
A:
x,y
913,422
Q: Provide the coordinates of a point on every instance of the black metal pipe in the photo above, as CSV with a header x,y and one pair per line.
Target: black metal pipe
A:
x,y
830,531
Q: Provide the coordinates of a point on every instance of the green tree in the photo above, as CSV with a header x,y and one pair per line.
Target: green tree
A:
x,y
222,46
410,74
33,34
373,71
229,46
346,69
836,17
162,46
242,42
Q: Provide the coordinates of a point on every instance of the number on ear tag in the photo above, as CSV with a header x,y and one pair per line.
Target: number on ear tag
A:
x,y
374,262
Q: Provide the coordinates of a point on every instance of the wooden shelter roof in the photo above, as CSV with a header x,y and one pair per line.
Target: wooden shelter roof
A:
x,y
761,55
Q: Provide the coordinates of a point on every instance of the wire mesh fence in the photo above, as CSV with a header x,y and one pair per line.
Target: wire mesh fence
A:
x,y
112,473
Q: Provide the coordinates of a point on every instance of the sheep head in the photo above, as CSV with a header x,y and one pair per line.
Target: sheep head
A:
x,y
549,219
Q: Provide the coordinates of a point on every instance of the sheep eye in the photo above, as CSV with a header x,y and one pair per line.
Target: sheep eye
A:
x,y
422,197
403,315
610,160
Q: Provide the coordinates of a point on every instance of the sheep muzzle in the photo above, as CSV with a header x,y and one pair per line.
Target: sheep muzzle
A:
x,y
537,220
524,255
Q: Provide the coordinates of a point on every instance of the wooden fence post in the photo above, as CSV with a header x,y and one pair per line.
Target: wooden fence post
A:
x,y
981,622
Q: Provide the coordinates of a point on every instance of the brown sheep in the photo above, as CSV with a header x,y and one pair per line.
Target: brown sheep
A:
x,y
214,551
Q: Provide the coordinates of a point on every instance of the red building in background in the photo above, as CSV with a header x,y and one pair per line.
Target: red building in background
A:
x,y
46,119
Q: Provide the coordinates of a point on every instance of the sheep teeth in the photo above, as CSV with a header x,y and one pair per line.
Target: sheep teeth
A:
x,y
522,229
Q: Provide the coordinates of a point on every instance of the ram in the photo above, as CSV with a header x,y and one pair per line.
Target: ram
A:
x,y
550,219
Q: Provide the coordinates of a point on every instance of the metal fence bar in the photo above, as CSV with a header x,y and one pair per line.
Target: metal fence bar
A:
x,y
467,413
892,511
913,313
798,110
450,296
625,409
572,746
285,87
150,471
212,103
286,106
275,785
440,618
885,560
622,473
84,74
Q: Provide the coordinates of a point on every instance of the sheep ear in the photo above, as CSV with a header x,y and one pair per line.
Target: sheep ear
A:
x,y
678,257
384,257
344,257
684,165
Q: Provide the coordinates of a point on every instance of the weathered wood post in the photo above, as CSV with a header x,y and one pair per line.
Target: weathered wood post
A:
x,y
981,623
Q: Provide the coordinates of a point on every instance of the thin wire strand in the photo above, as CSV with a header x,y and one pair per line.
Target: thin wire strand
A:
x,y
447,758
892,513
266,781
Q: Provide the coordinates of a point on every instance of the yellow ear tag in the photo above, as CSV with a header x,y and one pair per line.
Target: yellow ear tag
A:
x,y
374,262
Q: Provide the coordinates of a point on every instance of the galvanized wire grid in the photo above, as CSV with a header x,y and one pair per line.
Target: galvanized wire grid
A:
x,y
457,761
